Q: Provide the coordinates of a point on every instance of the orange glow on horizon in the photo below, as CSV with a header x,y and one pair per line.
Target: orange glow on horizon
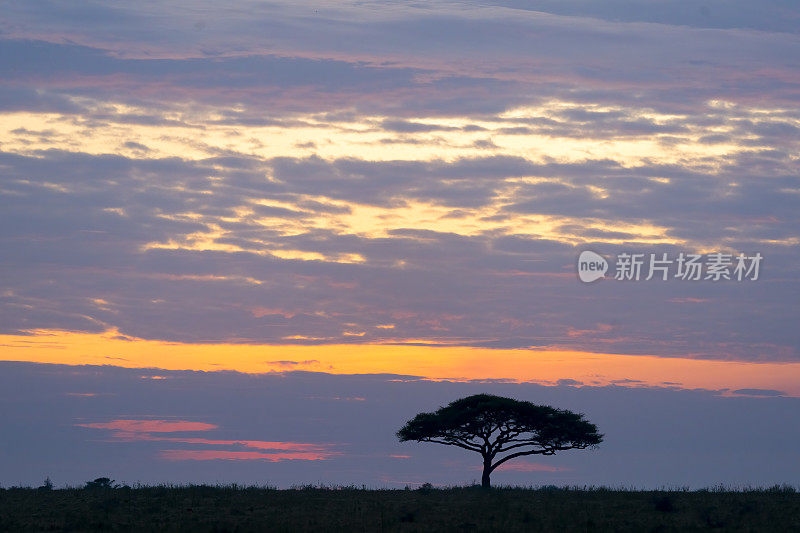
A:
x,y
432,362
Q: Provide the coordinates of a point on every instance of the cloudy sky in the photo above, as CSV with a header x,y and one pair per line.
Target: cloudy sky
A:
x,y
236,240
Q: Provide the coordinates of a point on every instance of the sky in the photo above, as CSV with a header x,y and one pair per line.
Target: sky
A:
x,y
246,242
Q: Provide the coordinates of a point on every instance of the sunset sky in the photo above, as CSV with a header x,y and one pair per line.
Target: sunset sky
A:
x,y
246,241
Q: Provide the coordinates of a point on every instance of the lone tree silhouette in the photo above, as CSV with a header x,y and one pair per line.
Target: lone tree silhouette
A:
x,y
492,425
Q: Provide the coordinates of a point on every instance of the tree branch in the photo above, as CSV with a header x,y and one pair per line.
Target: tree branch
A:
x,y
521,444
453,443
547,451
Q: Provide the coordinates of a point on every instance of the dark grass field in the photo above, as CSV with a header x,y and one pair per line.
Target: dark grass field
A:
x,y
207,508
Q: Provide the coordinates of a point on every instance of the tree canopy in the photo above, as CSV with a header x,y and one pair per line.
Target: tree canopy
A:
x,y
501,429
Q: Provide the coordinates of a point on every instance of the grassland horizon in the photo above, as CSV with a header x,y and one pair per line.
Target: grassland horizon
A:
x,y
350,508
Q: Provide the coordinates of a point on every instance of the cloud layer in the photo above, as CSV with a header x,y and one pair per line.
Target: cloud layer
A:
x,y
392,173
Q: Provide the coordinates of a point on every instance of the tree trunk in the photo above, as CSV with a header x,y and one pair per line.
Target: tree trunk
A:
x,y
487,470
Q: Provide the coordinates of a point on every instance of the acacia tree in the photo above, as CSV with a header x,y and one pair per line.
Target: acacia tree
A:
x,y
501,429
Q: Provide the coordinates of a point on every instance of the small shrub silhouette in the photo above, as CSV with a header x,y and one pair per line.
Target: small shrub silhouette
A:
x,y
425,488
100,483
47,485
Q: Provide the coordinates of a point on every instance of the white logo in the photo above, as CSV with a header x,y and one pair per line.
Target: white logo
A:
x,y
591,266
